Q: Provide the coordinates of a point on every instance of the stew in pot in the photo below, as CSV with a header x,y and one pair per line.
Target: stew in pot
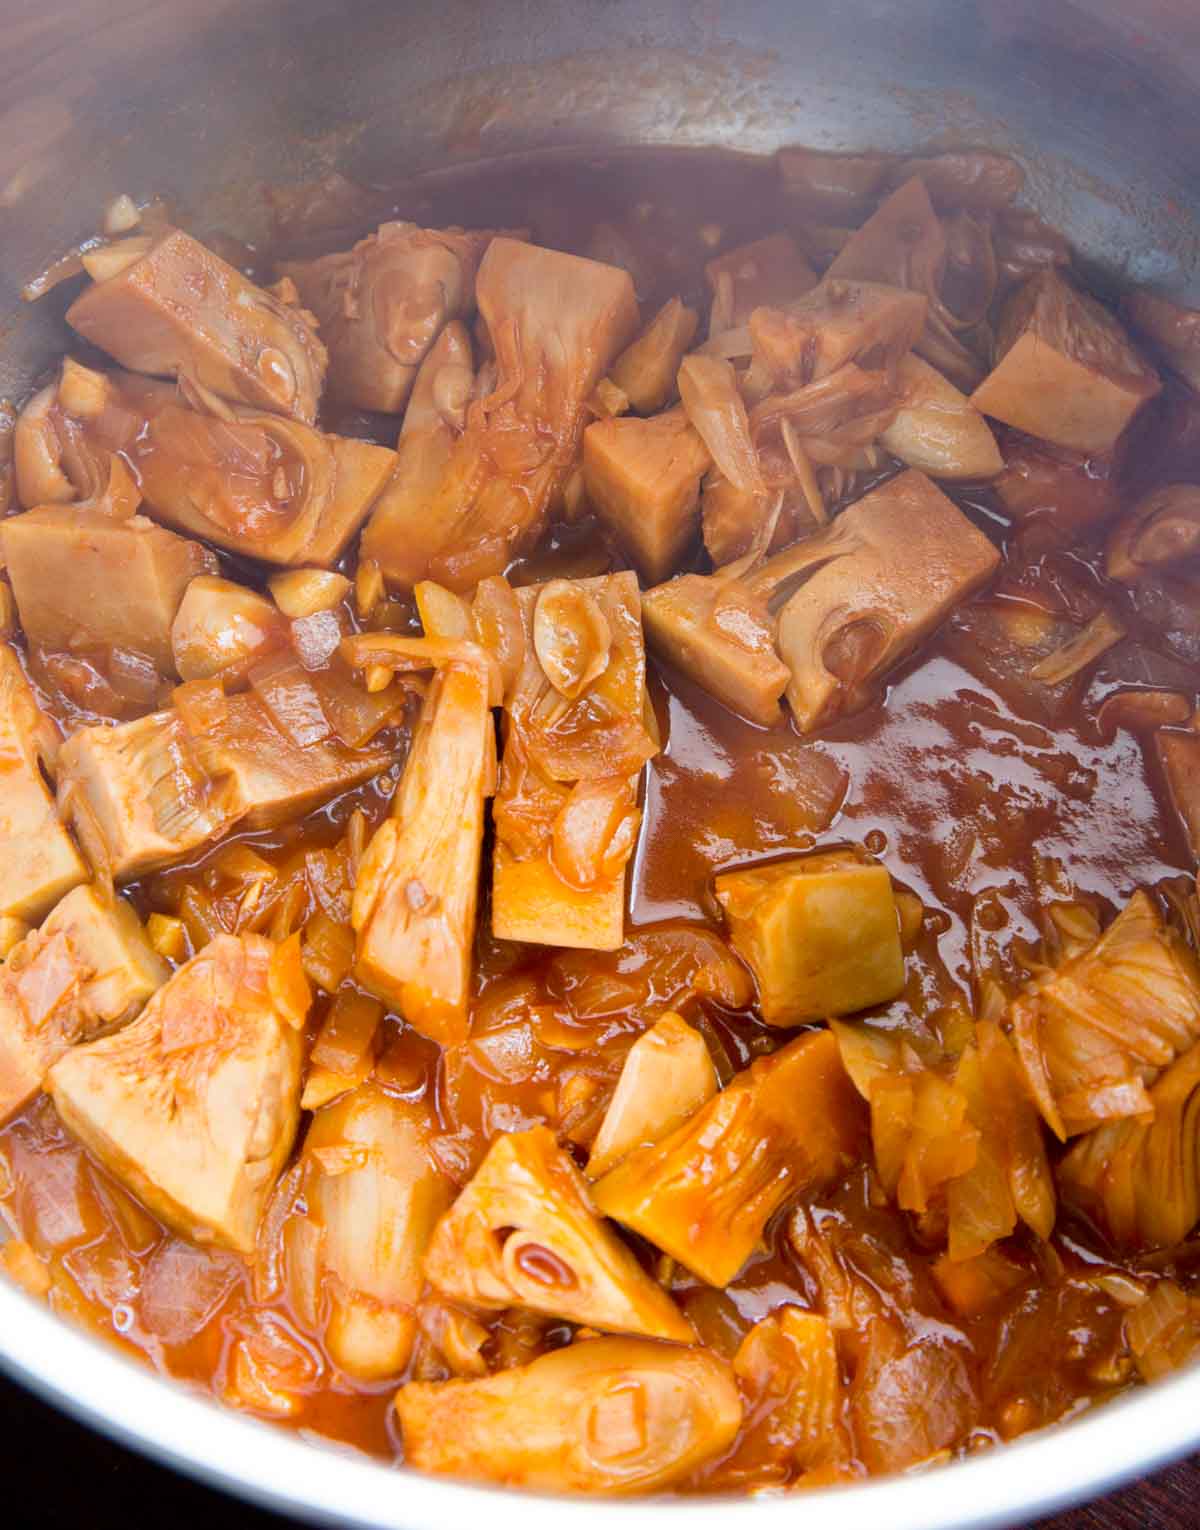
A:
x,y
601,792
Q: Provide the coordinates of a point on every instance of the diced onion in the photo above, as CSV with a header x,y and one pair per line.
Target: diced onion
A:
x,y
368,587
348,1033
291,699
287,982
328,951
121,215
306,591
109,260
201,705
168,936
571,636
316,638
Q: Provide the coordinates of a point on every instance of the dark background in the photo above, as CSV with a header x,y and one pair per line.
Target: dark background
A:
x,y
70,1477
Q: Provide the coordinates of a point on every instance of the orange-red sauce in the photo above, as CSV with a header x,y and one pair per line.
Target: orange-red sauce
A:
x,y
966,801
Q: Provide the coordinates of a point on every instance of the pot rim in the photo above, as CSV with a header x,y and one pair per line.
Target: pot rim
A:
x,y
323,1483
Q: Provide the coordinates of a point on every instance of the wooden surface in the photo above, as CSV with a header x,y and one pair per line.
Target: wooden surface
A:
x,y
1170,1500
74,1478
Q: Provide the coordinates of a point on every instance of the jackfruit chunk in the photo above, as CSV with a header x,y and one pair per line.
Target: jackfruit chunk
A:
x,y
1092,1035
194,1106
1178,751
259,484
896,564
555,322
902,243
605,1416
837,323
643,481
717,634
667,1075
646,371
789,1123
1161,530
524,1233
418,885
179,309
768,272
819,933
89,967
220,623
566,810
41,864
148,792
373,1193
84,579
1067,371
1140,1179
399,535
382,304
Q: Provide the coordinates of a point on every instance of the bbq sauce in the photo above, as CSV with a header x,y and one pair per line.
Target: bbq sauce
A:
x,y
984,800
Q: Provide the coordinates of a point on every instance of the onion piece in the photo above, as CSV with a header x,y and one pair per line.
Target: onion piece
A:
x,y
496,620
721,312
201,705
328,951
805,473
200,917
347,1036
458,1337
368,587
595,832
287,982
291,700
306,591
356,714
1164,1331
732,344
1139,711
443,613
602,744
168,936
104,261
316,638
54,275
717,411
1103,632
571,637
937,429
121,215
38,453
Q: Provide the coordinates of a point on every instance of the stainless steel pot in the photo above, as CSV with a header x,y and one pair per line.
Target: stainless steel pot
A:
x,y
204,101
